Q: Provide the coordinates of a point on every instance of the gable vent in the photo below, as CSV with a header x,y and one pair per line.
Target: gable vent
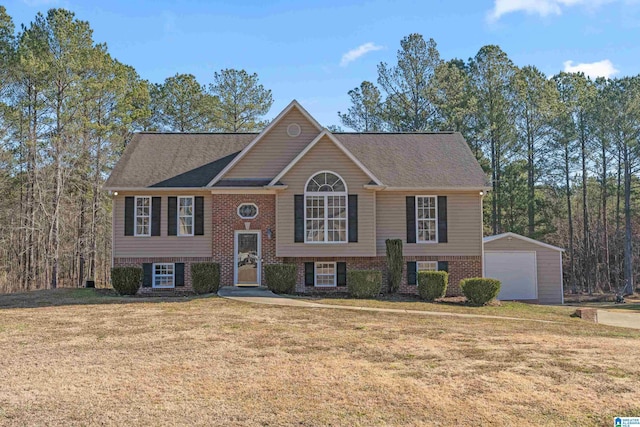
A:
x,y
293,130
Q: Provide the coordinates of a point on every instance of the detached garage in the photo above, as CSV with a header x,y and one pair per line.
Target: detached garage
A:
x,y
528,269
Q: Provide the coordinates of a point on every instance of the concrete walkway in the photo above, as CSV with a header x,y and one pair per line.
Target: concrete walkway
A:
x,y
619,318
261,295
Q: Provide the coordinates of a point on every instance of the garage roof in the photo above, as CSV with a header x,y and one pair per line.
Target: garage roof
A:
x,y
518,236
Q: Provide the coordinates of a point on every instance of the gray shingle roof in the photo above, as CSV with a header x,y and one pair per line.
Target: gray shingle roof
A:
x,y
419,160
436,160
175,159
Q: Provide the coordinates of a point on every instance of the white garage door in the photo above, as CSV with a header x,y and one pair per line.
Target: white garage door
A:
x,y
516,271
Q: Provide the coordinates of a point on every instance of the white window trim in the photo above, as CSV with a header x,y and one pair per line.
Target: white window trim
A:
x,y
426,262
315,274
193,216
344,193
430,242
173,275
247,217
135,216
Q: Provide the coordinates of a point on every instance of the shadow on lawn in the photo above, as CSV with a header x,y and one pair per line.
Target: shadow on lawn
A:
x,y
80,296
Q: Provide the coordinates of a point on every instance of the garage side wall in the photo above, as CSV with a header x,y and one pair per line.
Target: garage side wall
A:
x,y
548,267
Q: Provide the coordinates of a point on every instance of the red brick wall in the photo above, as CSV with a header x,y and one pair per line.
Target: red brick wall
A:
x,y
226,221
459,268
137,262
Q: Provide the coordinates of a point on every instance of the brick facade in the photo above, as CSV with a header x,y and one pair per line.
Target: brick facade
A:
x,y
137,262
226,222
460,267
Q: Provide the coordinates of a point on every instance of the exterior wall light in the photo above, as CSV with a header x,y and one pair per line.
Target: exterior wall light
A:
x,y
269,233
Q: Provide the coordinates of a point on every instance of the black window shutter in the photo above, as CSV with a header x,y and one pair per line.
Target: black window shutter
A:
x,y
353,218
156,207
129,212
443,266
411,219
179,273
172,216
341,268
412,274
299,218
198,228
309,273
147,278
442,219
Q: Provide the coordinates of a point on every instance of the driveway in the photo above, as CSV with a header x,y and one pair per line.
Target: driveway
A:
x,y
619,318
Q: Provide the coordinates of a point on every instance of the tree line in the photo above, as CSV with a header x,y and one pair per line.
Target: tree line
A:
x,y
562,152
67,110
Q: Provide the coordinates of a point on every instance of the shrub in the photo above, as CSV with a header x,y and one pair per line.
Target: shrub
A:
x,y
364,283
205,277
432,284
126,280
394,263
281,278
479,290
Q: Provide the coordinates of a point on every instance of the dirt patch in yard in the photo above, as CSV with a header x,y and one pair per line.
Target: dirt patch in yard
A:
x,y
210,361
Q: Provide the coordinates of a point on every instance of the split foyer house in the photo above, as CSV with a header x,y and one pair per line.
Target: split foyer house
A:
x,y
296,193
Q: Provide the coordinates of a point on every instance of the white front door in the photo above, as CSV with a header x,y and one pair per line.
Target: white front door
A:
x,y
247,258
516,271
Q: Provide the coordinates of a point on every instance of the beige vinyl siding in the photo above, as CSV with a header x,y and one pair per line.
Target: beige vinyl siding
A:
x,y
276,149
325,156
464,224
163,245
548,268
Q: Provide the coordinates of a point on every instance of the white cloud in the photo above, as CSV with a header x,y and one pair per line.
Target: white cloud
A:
x,y
540,7
356,53
602,68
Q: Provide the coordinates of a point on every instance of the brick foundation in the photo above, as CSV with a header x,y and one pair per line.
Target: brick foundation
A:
x,y
137,262
225,222
459,268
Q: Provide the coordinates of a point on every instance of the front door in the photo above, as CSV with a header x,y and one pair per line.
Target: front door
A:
x,y
247,258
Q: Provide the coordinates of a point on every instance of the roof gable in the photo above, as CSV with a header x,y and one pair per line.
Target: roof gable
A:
x,y
277,152
328,135
520,237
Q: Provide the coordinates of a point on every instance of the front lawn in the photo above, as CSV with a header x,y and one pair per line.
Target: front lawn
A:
x,y
83,358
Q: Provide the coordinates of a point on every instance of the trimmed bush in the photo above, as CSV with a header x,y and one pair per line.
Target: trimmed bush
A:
x,y
126,280
364,283
479,290
205,277
432,284
395,262
281,278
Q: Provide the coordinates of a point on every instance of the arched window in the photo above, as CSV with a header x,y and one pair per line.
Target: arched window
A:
x,y
325,201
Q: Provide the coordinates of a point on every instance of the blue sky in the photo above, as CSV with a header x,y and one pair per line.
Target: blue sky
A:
x,y
301,49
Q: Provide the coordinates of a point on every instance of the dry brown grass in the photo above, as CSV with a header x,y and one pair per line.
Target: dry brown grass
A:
x,y
209,361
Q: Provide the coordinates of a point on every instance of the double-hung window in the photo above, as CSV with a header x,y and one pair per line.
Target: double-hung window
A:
x,y
143,216
325,209
325,274
163,275
426,219
185,216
